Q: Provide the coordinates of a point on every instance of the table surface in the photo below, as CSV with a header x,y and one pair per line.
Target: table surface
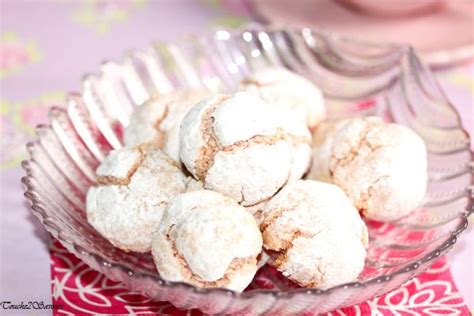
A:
x,y
49,45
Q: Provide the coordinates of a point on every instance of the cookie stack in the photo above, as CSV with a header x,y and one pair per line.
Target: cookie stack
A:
x,y
213,183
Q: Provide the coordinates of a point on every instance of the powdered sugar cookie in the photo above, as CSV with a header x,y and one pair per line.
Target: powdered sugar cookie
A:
x,y
236,145
381,167
289,91
158,120
133,187
315,234
208,240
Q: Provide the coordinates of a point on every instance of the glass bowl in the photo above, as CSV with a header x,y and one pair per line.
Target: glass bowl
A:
x,y
357,79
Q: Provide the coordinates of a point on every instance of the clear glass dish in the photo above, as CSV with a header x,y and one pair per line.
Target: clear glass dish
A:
x,y
357,79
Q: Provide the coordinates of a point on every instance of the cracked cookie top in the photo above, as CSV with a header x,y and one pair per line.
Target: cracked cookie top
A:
x,y
288,91
381,167
315,234
134,185
208,240
239,146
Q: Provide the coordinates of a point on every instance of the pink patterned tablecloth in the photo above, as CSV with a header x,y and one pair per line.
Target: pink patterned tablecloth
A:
x,y
46,46
79,289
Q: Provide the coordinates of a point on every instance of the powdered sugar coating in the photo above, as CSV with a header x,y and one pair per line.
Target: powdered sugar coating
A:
x,y
301,139
158,120
208,240
251,174
316,234
238,146
381,167
242,116
289,91
171,143
119,164
133,189
323,139
145,120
